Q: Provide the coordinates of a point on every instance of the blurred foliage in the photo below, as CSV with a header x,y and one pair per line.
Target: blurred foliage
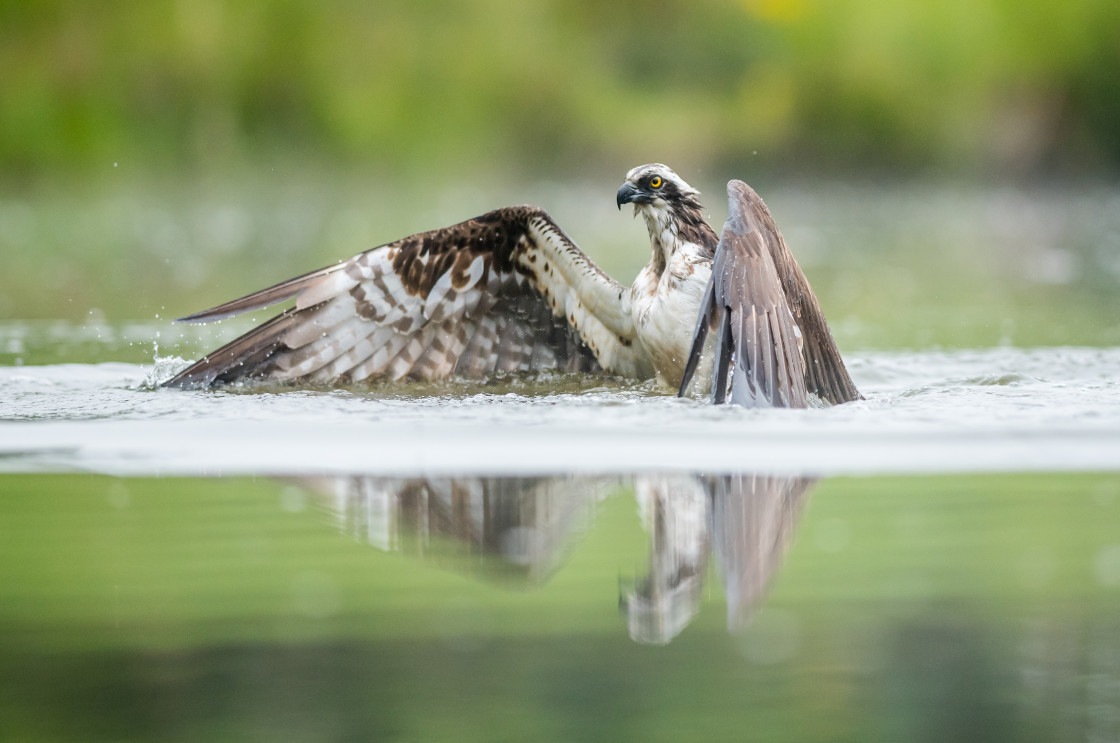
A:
x,y
962,86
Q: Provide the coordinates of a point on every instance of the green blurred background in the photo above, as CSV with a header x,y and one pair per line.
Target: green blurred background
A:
x,y
946,171
446,87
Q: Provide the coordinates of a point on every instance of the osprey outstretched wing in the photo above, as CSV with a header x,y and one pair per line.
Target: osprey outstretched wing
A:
x,y
509,291
772,344
506,291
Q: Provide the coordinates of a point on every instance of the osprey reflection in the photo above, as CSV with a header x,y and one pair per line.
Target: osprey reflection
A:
x,y
745,521
519,531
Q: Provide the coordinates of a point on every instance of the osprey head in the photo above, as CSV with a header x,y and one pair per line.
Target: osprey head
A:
x,y
656,186
671,209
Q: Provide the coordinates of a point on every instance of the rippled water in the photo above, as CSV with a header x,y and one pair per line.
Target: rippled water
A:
x,y
1001,409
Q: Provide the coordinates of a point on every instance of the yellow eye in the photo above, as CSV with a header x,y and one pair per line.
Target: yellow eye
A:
x,y
655,182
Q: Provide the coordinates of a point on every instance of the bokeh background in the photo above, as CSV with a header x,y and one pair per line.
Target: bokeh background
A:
x,y
444,88
945,171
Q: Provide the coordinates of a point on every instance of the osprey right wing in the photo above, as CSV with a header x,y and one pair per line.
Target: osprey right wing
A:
x,y
506,291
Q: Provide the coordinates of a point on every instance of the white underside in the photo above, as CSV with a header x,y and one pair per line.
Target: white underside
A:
x,y
665,310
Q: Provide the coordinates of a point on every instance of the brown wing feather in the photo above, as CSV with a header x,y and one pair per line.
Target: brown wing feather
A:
x,y
265,297
825,373
466,299
758,301
228,363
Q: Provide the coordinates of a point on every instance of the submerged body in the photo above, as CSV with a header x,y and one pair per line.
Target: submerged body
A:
x,y
506,291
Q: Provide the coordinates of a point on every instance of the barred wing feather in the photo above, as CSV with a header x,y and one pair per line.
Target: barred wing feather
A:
x,y
506,291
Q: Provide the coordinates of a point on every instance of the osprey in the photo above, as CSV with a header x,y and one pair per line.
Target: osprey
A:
x,y
509,291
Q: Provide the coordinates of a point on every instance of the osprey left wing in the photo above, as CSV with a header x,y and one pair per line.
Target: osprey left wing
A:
x,y
772,344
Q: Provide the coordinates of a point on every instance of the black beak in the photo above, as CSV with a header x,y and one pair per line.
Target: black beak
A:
x,y
626,194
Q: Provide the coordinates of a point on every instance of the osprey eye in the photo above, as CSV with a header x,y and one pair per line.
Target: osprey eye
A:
x,y
655,182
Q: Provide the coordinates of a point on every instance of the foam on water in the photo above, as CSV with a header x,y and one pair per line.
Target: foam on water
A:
x,y
1002,409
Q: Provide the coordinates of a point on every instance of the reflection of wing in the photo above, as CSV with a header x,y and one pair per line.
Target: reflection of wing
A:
x,y
772,342
507,291
525,524
746,520
753,520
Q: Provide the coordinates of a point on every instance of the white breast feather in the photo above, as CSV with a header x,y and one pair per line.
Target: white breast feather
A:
x,y
666,309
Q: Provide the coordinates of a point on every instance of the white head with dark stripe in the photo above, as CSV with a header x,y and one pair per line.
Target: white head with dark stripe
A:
x,y
670,207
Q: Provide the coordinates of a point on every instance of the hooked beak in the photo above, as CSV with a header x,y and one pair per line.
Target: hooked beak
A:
x,y
627,194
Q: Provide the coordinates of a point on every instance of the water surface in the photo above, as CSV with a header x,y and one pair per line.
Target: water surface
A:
x,y
997,409
887,608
